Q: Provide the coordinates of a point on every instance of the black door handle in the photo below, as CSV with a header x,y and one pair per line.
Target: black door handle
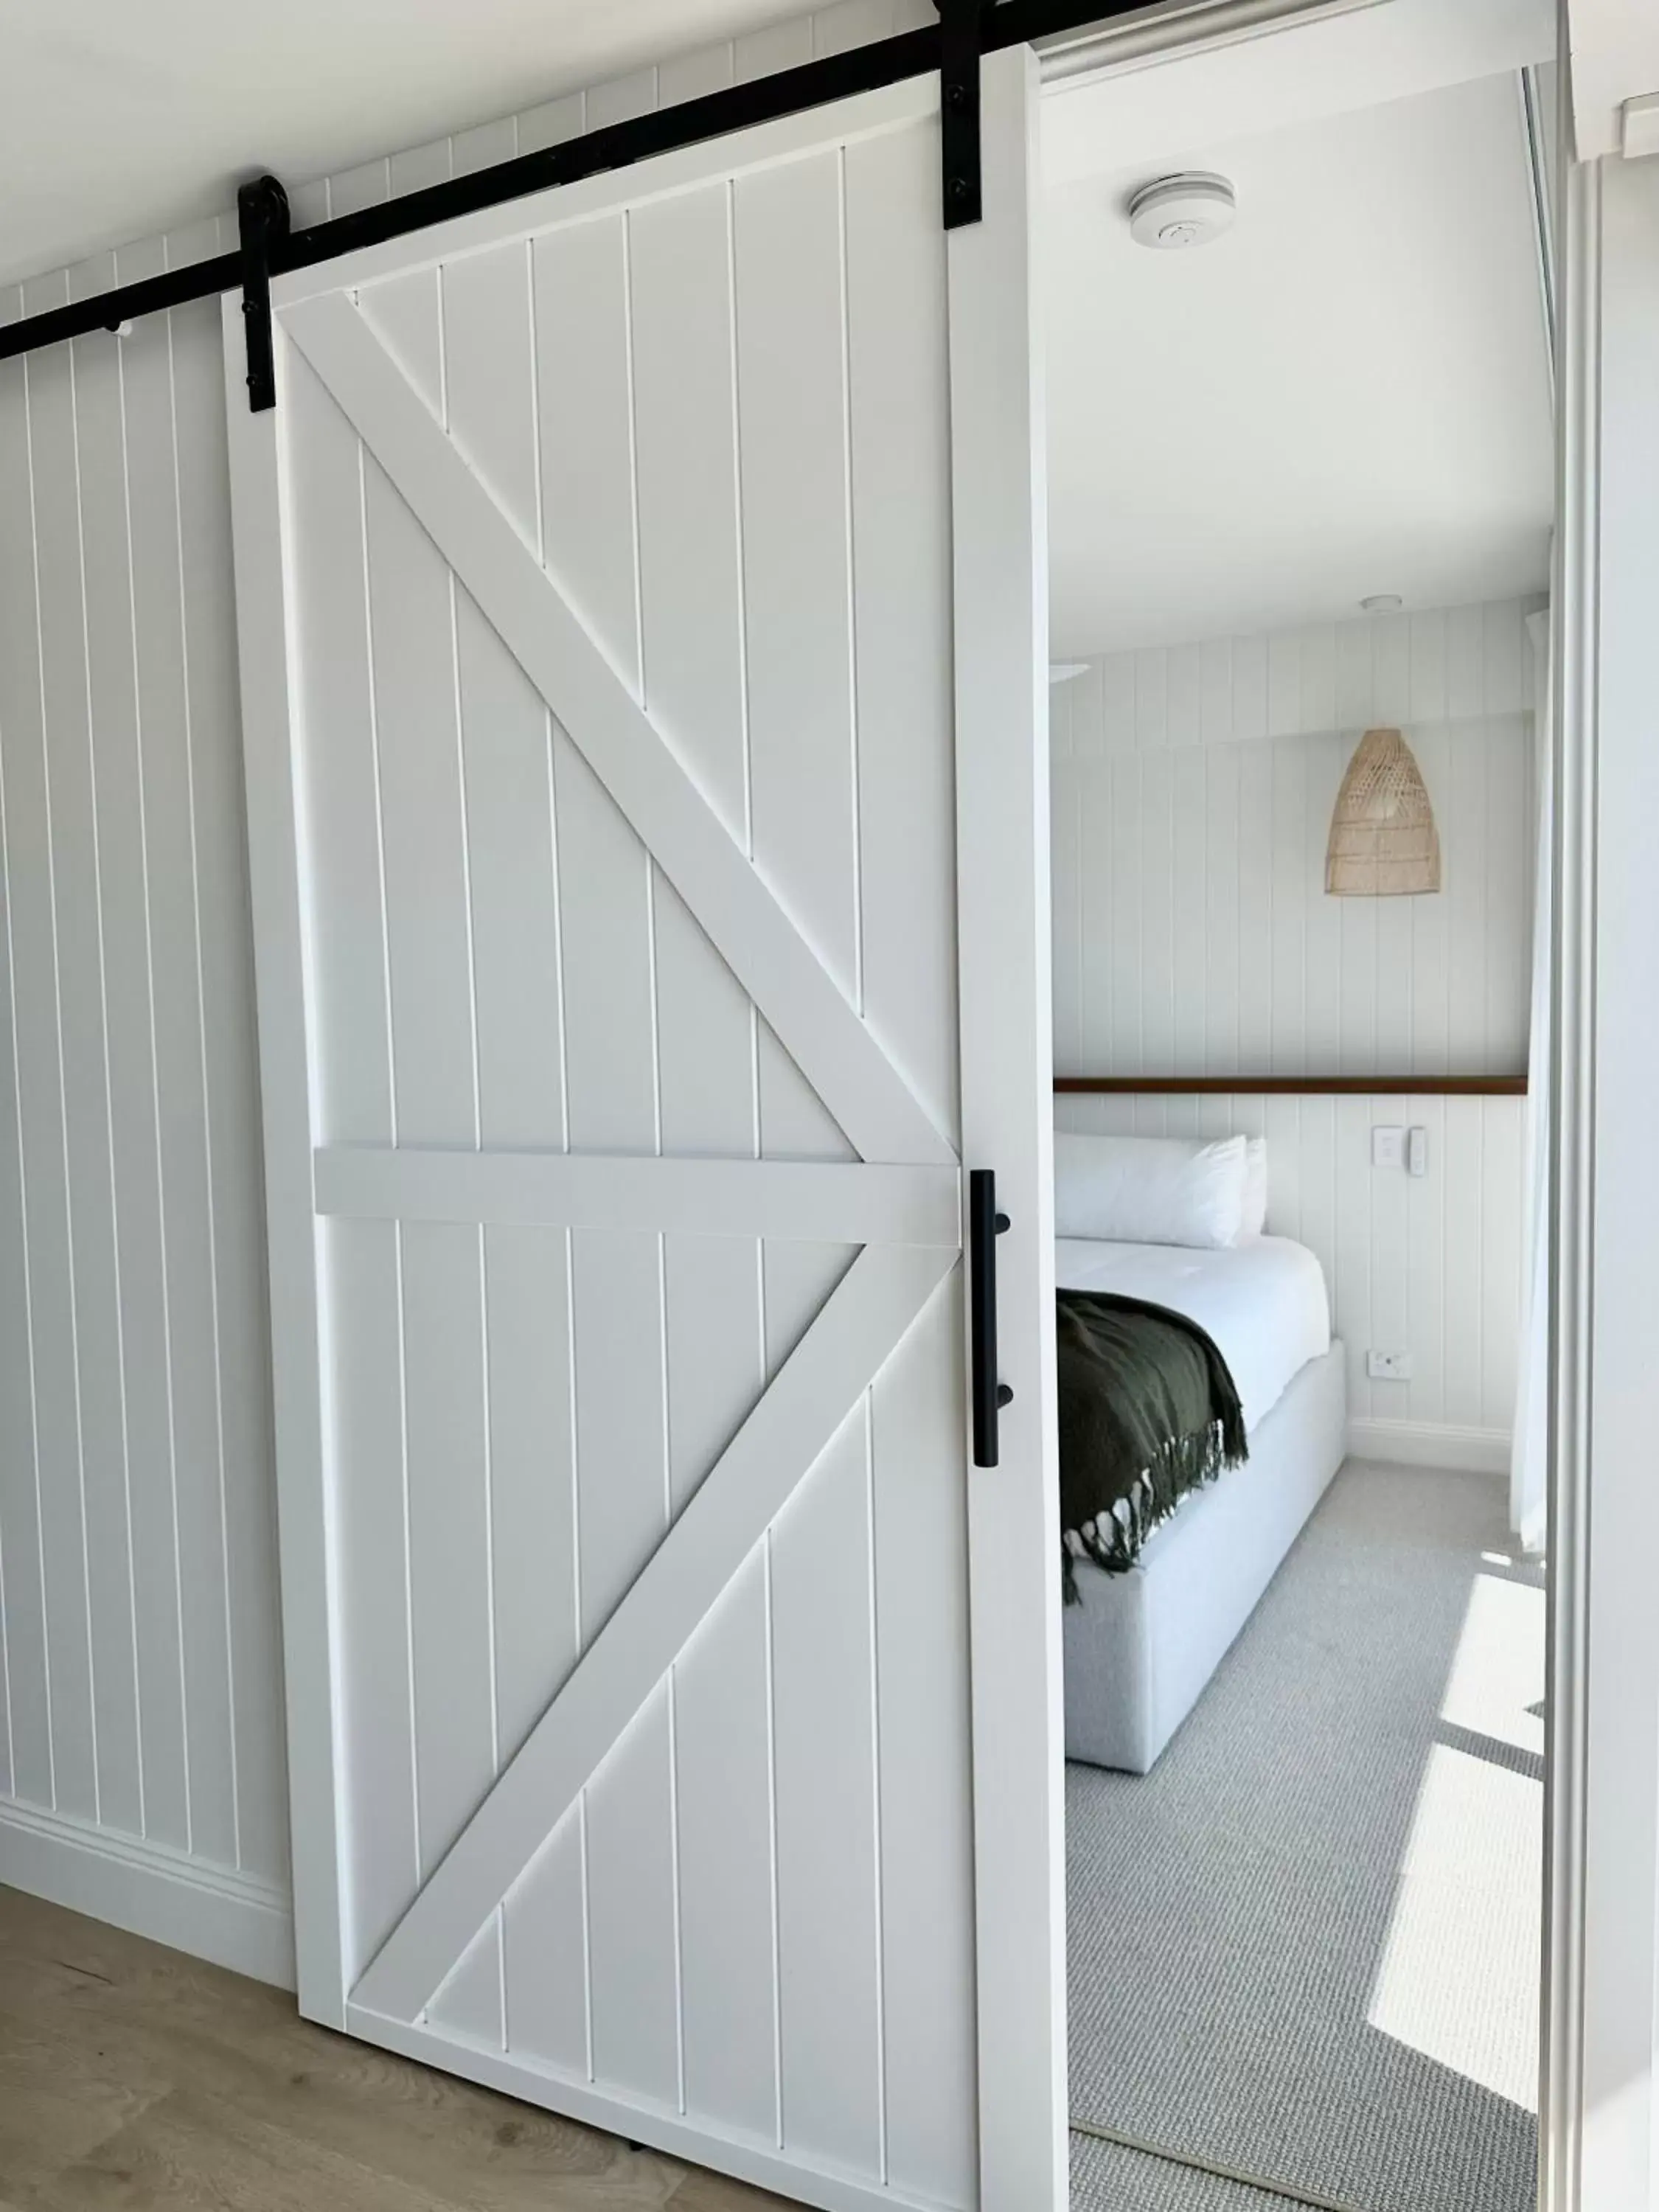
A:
x,y
990,1396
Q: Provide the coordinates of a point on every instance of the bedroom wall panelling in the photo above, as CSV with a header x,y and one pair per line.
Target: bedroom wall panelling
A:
x,y
135,1498
1430,1264
142,1764
1193,791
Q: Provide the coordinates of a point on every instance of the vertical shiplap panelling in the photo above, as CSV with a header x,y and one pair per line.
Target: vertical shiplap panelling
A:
x,y
413,622
30,1056
1430,1265
1188,919
828,1910
585,520
899,554
45,1146
608,936
135,1325
1288,896
1098,852
1122,806
60,1559
1431,1007
161,619
1217,858
692,635
1320,1042
1424,1327
230,1077
797,586
789,277
71,804
1157,891
490,387
1266,971
133,1276
1255,905
1228,956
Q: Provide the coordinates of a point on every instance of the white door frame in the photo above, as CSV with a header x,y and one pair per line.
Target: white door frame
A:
x,y
1000,656
998,492
1601,1906
1597,2106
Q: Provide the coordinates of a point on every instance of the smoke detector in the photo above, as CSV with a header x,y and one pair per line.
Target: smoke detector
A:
x,y
1173,212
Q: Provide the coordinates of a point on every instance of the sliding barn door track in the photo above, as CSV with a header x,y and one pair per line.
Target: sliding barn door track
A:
x,y
951,48
1287,2195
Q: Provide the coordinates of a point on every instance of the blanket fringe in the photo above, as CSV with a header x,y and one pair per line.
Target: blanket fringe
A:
x,y
1112,1541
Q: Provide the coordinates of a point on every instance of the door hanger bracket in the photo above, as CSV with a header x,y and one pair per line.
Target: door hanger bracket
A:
x,y
261,227
961,23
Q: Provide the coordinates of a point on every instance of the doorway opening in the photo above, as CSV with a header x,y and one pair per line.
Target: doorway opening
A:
x,y
1299,397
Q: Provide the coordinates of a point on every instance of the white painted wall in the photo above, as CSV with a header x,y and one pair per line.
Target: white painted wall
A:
x,y
140,1744
1193,935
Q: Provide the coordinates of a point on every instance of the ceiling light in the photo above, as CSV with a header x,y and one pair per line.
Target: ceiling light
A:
x,y
1382,602
1173,212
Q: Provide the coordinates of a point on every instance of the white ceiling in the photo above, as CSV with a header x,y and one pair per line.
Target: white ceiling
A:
x,y
1346,394
117,121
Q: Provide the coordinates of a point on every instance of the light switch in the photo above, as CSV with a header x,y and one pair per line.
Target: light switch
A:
x,y
1388,1148
1417,1151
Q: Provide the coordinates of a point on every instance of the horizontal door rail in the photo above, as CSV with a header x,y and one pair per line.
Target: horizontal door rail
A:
x,y
616,146
1298,1086
828,1201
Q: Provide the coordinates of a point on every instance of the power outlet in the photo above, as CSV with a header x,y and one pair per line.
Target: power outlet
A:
x,y
1388,1366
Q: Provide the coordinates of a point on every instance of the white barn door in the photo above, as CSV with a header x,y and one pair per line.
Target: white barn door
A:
x,y
646,945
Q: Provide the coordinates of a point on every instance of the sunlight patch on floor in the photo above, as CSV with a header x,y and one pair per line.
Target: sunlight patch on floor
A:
x,y
1496,1679
1459,1977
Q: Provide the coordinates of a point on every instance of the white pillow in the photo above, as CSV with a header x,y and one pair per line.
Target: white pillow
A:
x,y
1255,1221
1149,1190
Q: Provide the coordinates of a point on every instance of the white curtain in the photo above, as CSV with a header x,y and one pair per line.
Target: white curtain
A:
x,y
1529,1453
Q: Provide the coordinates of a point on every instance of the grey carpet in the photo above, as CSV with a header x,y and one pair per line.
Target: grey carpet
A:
x,y
1107,2177
1304,1947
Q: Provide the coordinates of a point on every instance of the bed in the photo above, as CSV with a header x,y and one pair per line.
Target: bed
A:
x,y
1141,1645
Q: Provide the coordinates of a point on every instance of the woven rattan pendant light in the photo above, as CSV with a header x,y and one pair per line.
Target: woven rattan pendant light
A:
x,y
1383,844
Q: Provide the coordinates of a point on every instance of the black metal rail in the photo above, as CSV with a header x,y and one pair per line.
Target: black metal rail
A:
x,y
618,145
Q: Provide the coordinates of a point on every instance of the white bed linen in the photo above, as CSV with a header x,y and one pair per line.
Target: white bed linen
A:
x,y
1263,1302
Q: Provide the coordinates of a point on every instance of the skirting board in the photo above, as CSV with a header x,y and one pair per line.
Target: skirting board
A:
x,y
1431,1444
213,1913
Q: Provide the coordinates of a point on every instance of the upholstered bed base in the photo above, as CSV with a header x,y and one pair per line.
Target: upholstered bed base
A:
x,y
1139,1647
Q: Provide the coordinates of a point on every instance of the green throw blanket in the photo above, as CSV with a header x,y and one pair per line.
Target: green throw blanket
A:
x,y
1147,1412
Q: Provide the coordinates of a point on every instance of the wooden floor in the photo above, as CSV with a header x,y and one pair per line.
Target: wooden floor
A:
x,y
132,2077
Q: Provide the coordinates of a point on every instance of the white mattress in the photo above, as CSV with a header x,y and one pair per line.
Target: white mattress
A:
x,y
1264,1302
